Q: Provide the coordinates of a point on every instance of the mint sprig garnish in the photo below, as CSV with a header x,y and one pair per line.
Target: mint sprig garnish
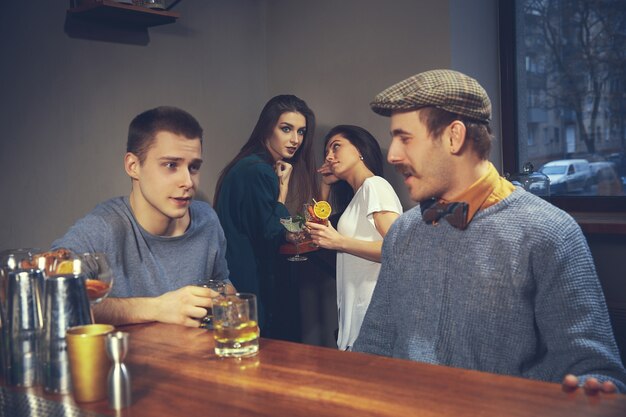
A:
x,y
300,219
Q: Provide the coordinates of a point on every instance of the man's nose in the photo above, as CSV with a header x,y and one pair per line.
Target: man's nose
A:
x,y
186,180
393,155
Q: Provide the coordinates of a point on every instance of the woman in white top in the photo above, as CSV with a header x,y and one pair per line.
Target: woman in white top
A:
x,y
353,169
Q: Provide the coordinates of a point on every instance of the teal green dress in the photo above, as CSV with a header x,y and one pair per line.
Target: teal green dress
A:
x,y
250,213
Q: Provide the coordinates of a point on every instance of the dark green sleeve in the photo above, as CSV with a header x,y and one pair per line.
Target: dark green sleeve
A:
x,y
264,208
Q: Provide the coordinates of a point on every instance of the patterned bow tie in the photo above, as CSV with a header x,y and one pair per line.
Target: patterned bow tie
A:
x,y
453,213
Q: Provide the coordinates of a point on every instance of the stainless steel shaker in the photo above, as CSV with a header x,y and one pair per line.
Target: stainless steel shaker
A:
x,y
10,260
24,325
65,305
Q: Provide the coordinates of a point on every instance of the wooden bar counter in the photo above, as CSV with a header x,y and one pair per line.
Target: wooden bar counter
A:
x,y
175,373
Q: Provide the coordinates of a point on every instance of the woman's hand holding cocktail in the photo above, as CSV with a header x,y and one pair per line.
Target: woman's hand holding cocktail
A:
x,y
325,236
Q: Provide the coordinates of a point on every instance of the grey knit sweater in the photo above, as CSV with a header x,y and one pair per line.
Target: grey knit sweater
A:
x,y
515,293
146,265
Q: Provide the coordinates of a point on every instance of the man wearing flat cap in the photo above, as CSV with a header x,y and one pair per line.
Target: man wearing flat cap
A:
x,y
481,275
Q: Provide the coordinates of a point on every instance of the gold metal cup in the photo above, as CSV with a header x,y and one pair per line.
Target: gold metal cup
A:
x,y
89,363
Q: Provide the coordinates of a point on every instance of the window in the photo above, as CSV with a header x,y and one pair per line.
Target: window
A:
x,y
563,70
557,135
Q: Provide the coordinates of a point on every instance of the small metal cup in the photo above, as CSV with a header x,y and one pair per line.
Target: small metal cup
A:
x,y
66,305
89,364
118,380
24,326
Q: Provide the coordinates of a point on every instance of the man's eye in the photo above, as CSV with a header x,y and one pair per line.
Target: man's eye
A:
x,y
194,168
170,165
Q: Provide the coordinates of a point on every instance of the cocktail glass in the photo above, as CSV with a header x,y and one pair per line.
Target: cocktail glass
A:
x,y
98,276
295,235
310,216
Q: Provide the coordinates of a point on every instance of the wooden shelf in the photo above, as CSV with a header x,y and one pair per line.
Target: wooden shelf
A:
x,y
604,223
120,14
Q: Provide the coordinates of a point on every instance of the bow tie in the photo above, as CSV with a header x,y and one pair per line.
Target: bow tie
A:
x,y
453,213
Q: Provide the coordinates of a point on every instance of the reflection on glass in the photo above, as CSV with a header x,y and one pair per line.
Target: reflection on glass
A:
x,y
572,93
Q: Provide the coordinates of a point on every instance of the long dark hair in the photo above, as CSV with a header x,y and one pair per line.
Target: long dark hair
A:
x,y
303,182
341,192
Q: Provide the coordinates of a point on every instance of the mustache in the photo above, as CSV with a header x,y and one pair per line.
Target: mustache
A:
x,y
403,169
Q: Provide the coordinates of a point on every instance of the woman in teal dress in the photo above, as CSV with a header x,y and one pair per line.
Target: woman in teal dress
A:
x,y
273,173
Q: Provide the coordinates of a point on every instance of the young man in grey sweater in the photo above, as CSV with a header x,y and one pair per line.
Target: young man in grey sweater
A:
x,y
159,240
481,275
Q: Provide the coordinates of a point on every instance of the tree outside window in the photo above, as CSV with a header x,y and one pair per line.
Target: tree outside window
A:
x,y
570,75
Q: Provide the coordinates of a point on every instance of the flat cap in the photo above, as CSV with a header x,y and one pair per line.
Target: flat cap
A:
x,y
445,89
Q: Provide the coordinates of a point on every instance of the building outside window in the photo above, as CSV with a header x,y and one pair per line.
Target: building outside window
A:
x,y
566,75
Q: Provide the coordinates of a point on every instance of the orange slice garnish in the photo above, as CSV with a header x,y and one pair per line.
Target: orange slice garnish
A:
x,y
65,267
322,209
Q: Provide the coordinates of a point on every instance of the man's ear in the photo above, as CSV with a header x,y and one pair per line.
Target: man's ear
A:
x,y
132,165
456,133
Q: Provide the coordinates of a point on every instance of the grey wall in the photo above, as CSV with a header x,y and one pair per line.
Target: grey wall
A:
x,y
66,102
68,90
473,48
339,54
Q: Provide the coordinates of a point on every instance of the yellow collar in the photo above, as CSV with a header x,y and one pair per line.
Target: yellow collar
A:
x,y
485,192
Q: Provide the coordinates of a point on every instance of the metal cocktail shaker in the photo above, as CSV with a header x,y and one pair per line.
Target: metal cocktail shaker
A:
x,y
10,260
119,377
24,326
65,305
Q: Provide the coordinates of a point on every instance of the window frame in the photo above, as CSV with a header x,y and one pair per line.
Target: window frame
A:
x,y
509,122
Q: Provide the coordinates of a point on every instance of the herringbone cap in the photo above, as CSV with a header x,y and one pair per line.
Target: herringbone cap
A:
x,y
446,89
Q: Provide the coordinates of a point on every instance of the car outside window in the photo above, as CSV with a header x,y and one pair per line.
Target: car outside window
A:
x,y
564,80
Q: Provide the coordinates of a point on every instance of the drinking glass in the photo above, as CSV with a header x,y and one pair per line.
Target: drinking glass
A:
x,y
220,287
98,275
296,235
236,328
310,216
